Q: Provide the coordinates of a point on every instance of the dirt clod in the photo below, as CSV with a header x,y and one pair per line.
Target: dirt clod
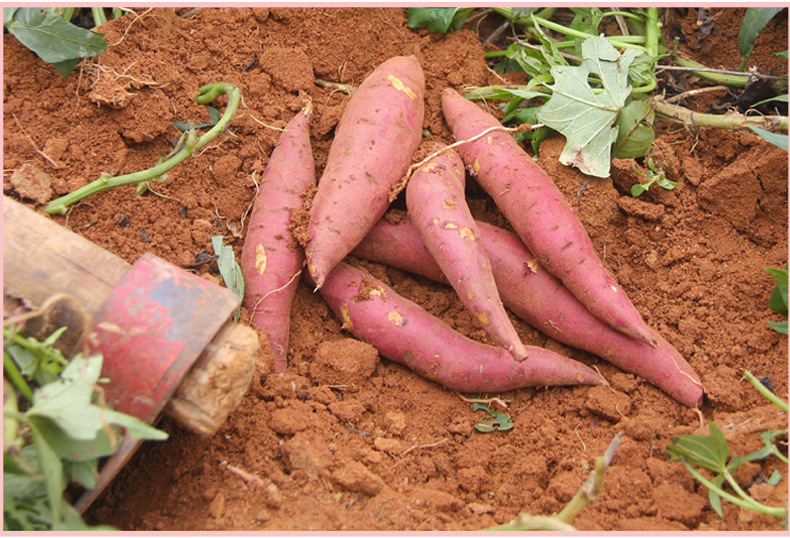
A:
x,y
31,182
345,361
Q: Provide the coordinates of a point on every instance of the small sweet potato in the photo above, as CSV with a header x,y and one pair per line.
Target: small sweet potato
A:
x,y
541,300
378,132
405,333
437,207
539,213
270,257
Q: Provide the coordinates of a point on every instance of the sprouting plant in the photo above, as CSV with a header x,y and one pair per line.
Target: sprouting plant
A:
x,y
57,435
493,421
600,90
778,299
653,175
712,452
186,146
229,269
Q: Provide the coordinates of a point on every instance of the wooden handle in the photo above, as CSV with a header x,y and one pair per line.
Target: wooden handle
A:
x,y
42,259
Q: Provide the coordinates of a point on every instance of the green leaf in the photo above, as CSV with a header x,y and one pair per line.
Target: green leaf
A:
x,y
550,51
781,98
783,54
440,19
776,139
642,70
494,421
775,478
713,497
39,361
52,38
635,133
67,402
52,469
83,473
708,451
664,183
228,267
68,448
779,326
213,115
585,20
586,118
10,425
754,20
778,300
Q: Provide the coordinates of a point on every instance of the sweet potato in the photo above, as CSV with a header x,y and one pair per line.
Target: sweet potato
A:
x,y
270,257
405,333
541,300
540,214
437,206
378,132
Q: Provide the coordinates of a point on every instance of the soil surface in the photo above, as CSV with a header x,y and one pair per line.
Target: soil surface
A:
x,y
349,441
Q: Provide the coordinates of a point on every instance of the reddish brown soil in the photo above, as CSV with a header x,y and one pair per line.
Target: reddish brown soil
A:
x,y
336,447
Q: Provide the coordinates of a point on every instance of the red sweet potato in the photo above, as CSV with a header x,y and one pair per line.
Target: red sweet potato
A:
x,y
541,300
437,206
378,132
540,214
405,333
270,257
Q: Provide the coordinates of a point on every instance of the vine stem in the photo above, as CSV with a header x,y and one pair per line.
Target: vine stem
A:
x,y
762,389
10,368
753,505
191,143
719,121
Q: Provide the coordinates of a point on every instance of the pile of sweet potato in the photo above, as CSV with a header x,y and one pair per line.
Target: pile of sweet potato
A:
x,y
548,274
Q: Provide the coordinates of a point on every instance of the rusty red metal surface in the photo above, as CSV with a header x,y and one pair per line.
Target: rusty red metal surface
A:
x,y
151,329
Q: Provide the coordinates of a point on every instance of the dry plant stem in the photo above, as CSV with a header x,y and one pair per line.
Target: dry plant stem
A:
x,y
719,121
35,147
692,93
345,88
487,401
398,187
429,445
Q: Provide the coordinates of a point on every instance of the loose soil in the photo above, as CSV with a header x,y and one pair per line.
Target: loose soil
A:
x,y
338,442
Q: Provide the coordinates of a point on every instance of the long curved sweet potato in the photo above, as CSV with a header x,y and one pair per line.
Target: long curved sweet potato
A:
x,y
270,256
540,214
541,300
405,333
378,132
437,206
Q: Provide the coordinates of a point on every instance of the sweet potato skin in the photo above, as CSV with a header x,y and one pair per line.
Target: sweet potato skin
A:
x,y
378,132
541,300
540,214
405,333
437,207
270,257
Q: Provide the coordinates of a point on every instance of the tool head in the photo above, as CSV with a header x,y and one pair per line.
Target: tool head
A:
x,y
151,329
